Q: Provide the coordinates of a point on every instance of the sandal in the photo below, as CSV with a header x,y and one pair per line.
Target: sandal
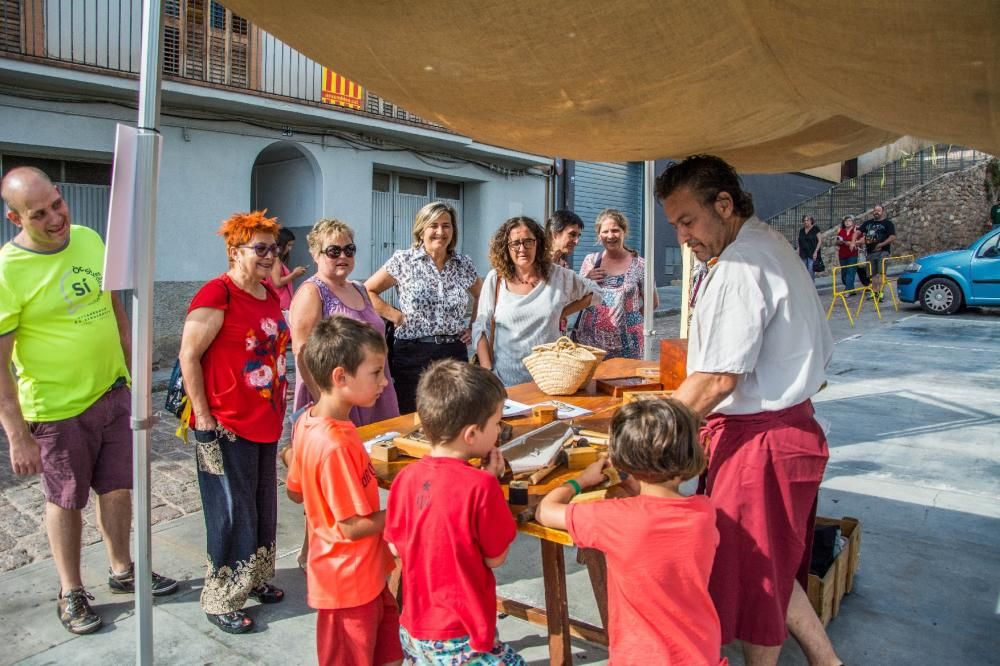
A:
x,y
266,593
236,622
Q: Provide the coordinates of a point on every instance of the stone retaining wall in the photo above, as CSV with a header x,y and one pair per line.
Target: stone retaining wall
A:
x,y
947,213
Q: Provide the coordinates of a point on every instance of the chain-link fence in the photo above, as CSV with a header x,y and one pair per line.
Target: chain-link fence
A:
x,y
860,194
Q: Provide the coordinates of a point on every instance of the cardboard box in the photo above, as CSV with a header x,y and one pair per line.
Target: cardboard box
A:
x,y
826,593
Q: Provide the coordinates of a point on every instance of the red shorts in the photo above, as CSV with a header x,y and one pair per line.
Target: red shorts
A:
x,y
91,450
367,634
763,476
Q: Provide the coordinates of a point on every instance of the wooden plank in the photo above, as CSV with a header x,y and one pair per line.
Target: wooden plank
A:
x,y
577,628
556,603
546,533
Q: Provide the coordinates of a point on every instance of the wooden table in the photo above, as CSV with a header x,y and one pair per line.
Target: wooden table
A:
x,y
555,615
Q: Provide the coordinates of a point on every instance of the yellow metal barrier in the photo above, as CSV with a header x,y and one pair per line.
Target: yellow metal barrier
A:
x,y
840,293
892,284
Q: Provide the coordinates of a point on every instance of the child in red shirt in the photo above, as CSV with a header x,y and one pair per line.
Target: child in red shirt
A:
x,y
330,472
659,544
450,524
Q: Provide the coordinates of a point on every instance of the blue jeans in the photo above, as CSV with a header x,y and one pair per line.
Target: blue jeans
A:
x,y
808,261
847,275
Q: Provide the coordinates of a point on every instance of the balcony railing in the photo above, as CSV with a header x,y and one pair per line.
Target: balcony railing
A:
x,y
203,42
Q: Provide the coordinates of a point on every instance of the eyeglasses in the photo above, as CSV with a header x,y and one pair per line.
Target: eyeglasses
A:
x,y
334,251
262,249
526,243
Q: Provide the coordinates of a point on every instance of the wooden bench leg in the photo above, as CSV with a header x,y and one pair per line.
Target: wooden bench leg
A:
x,y
556,605
597,567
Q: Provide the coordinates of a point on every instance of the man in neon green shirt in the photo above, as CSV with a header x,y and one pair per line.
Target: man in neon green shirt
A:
x,y
67,415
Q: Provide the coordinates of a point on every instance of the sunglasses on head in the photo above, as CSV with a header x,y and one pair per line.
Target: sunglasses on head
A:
x,y
262,249
334,251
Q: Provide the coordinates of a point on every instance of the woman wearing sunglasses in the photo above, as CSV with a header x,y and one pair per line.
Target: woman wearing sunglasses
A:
x,y
524,298
434,284
233,361
329,292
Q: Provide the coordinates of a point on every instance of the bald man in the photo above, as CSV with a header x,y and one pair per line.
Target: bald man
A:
x,y
67,414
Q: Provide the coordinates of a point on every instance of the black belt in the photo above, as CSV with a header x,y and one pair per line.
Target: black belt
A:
x,y
120,382
437,339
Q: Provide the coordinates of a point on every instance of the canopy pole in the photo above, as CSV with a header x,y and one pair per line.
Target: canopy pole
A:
x,y
143,258
687,263
649,251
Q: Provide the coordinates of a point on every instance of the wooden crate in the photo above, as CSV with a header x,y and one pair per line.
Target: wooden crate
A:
x,y
673,362
826,593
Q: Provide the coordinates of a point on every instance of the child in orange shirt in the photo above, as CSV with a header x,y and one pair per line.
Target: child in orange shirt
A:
x,y
659,544
330,472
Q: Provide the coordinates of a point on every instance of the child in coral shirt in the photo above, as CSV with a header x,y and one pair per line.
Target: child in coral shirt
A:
x,y
450,524
330,472
659,544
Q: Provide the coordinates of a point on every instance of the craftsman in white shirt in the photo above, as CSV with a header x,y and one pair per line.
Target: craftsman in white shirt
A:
x,y
757,352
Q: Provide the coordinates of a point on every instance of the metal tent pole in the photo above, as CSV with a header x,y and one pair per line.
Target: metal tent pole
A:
x,y
649,251
143,258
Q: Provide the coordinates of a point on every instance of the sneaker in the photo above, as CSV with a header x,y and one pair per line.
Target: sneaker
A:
x,y
124,583
75,613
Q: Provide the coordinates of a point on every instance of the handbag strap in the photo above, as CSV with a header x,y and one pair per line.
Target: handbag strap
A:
x,y
493,319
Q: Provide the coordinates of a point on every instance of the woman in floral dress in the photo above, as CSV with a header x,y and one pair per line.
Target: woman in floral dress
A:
x,y
615,324
233,361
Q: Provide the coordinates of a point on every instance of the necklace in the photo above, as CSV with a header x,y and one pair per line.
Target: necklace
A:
x,y
531,282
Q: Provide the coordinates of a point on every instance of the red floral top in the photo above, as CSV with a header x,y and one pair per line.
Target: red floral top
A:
x,y
244,367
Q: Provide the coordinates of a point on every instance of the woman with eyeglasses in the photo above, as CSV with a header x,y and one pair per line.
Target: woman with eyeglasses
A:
x,y
614,324
327,293
434,283
523,299
233,362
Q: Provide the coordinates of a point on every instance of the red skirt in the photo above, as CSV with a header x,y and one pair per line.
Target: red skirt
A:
x,y
763,476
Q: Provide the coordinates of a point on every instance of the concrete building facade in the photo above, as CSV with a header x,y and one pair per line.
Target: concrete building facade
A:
x,y
228,148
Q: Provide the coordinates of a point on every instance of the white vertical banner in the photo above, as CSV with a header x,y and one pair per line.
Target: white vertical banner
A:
x,y
120,237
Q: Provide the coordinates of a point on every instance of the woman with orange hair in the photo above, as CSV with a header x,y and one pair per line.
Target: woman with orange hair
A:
x,y
233,361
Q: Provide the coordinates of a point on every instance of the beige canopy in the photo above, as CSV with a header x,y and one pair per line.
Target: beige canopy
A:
x,y
771,85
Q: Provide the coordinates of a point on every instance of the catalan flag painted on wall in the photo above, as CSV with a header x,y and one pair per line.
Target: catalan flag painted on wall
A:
x,y
341,91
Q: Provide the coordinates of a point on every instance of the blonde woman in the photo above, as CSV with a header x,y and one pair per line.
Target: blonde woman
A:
x,y
434,283
614,324
327,293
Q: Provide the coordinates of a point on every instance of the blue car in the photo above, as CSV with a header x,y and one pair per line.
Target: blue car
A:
x,y
946,282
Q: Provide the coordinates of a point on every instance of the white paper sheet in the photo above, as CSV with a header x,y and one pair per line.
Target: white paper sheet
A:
x,y
514,408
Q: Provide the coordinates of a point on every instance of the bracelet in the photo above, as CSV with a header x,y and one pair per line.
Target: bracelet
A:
x,y
575,485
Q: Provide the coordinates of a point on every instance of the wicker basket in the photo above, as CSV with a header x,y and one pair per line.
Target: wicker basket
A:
x,y
597,352
562,367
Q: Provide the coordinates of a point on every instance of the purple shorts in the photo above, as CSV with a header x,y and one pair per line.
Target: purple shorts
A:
x,y
91,450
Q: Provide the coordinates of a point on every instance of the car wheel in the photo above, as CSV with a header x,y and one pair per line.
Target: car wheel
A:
x,y
940,296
